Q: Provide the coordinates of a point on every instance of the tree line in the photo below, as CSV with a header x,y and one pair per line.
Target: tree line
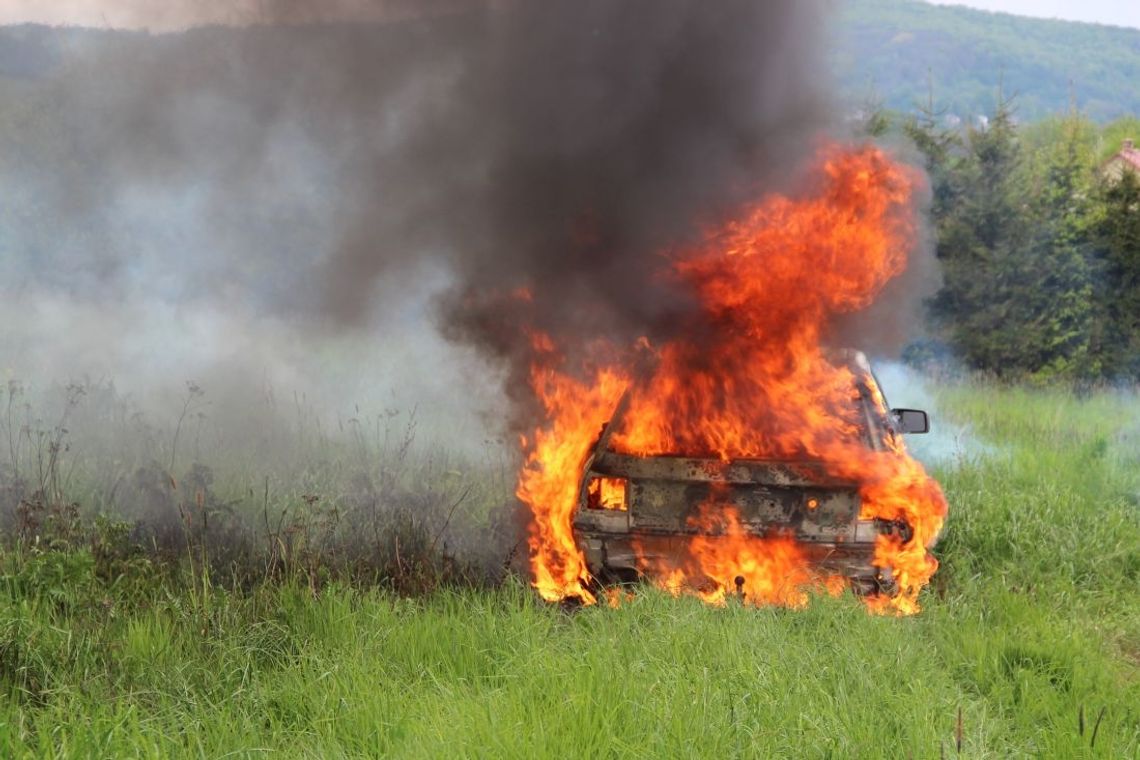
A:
x,y
1039,245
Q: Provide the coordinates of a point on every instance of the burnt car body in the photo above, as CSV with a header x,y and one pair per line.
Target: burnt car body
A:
x,y
631,508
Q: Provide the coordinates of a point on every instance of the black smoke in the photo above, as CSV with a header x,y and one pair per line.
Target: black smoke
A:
x,y
312,200
316,175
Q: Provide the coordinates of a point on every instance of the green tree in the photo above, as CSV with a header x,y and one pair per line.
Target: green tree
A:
x,y
1059,299
981,228
1116,237
938,146
873,120
1013,239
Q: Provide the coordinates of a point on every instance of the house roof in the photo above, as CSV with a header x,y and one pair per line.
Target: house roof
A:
x,y
1132,156
1128,154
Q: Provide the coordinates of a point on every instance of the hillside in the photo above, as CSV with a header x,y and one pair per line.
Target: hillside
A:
x,y
894,48
889,49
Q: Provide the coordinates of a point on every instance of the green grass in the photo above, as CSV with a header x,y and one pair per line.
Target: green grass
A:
x,y
1033,620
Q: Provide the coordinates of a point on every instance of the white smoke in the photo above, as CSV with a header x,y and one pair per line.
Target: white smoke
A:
x,y
950,443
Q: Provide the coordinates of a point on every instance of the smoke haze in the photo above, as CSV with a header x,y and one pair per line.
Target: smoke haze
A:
x,y
219,197
331,215
168,15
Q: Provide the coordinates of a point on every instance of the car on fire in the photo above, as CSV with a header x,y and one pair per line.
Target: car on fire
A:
x,y
630,507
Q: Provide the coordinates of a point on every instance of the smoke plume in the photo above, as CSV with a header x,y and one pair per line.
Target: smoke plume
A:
x,y
332,214
181,201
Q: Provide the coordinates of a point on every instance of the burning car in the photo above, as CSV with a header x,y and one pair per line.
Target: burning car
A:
x,y
742,456
636,514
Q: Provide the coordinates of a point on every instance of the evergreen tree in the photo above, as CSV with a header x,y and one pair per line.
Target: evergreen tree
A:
x,y
1116,235
938,146
1014,243
1059,296
981,231
874,121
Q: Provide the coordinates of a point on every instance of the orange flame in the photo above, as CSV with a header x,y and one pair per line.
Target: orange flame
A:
x,y
773,569
608,493
749,379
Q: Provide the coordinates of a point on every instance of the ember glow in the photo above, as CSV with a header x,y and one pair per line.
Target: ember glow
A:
x,y
749,377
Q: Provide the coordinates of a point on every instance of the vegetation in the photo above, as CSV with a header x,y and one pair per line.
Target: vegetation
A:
x,y
1028,646
1038,245
897,48
249,500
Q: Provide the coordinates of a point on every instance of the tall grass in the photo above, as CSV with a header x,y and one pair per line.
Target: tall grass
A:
x,y
263,495
1028,645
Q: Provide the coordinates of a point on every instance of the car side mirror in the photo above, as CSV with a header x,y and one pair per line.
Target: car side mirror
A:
x,y
911,420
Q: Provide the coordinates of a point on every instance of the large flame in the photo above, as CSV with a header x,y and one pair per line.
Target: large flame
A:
x,y
749,379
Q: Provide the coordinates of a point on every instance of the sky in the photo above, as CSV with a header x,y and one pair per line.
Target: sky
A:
x,y
165,14
118,13
1115,12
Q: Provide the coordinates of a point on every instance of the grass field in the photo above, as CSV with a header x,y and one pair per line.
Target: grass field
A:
x,y
1028,645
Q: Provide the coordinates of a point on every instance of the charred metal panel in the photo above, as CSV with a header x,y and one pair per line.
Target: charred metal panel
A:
x,y
761,506
796,474
666,495
602,519
815,515
593,549
828,516
620,555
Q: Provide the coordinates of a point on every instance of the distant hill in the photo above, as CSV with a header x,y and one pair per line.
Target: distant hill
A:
x,y
891,49
896,47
